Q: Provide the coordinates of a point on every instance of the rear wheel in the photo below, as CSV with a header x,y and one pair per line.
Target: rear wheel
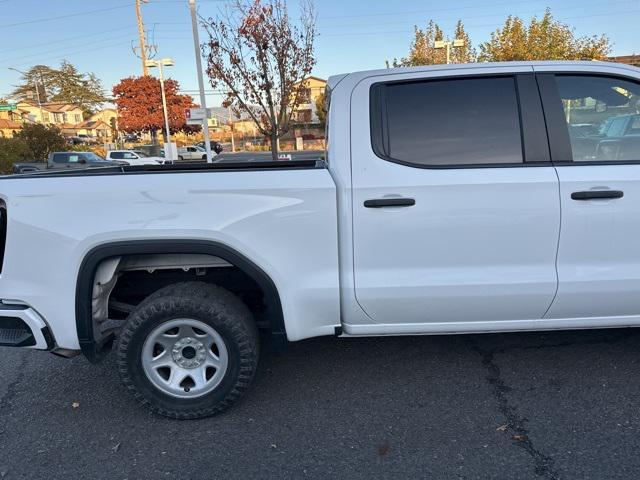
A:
x,y
180,157
189,350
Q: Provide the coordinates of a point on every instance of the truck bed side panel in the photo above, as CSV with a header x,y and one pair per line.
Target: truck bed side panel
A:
x,y
283,220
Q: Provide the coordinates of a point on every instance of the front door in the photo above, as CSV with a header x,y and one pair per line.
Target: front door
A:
x,y
456,213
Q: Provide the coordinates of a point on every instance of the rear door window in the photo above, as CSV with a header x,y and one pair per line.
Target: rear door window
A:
x,y
452,122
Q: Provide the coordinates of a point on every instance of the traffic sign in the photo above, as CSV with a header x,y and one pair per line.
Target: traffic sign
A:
x,y
199,113
11,106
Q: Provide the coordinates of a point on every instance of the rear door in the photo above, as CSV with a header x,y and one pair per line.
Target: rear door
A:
x,y
456,212
598,162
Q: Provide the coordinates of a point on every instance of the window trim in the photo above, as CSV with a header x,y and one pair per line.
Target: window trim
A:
x,y
557,128
533,135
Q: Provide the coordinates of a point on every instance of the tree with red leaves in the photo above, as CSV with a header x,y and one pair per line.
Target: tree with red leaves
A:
x,y
261,59
139,103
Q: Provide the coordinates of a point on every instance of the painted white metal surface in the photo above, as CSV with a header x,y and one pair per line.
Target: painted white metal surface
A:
x,y
478,245
599,252
284,221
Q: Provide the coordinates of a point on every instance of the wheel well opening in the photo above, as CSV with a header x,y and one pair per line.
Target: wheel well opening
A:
x,y
115,277
121,283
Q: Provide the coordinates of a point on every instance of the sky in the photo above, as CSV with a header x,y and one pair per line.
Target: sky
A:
x,y
353,34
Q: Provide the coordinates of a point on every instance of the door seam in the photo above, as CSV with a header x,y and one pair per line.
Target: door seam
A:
x,y
555,295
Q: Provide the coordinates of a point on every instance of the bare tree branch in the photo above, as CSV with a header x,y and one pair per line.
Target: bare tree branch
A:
x,y
263,60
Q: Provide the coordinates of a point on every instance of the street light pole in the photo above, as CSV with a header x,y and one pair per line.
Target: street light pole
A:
x,y
447,45
167,135
203,100
159,64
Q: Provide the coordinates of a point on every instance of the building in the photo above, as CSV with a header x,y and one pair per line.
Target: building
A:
x,y
307,110
69,118
106,115
633,60
10,122
52,113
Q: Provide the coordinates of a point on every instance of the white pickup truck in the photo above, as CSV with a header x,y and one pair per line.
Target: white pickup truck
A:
x,y
133,157
452,199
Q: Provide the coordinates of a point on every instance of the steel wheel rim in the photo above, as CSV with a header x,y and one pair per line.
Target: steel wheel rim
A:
x,y
185,358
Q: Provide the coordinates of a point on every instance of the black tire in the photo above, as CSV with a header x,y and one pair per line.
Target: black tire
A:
x,y
204,157
180,158
207,303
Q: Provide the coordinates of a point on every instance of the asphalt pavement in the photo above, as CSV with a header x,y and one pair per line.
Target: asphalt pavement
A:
x,y
559,405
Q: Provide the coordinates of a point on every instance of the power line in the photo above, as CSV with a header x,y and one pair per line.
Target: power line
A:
x,y
493,24
81,51
466,17
68,15
431,10
52,51
75,37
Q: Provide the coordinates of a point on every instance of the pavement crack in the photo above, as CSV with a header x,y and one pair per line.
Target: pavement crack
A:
x,y
515,424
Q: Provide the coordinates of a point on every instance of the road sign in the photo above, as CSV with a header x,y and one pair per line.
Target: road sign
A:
x,y
194,121
199,113
10,106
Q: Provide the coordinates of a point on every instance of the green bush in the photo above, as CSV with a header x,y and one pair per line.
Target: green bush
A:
x,y
32,144
41,140
12,150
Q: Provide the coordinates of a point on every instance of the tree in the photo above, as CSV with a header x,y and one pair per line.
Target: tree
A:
x,y
423,51
12,150
65,84
139,103
321,108
261,59
466,53
543,39
40,140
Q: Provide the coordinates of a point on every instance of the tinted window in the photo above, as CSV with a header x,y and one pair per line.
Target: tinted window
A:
x,y
116,155
452,122
603,117
66,158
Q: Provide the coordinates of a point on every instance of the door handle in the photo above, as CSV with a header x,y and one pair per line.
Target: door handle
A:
x,y
597,194
389,202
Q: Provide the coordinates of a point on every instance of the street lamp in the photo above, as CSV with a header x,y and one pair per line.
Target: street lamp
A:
x,y
35,83
163,62
457,42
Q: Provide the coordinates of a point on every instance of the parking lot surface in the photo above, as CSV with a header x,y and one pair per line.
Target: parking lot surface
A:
x,y
561,405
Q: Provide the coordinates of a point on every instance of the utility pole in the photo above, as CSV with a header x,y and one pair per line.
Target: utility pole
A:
x,y
143,46
203,100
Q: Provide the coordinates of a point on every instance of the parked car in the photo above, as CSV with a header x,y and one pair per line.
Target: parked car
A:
x,y
87,139
65,160
192,152
134,157
451,202
216,147
131,138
